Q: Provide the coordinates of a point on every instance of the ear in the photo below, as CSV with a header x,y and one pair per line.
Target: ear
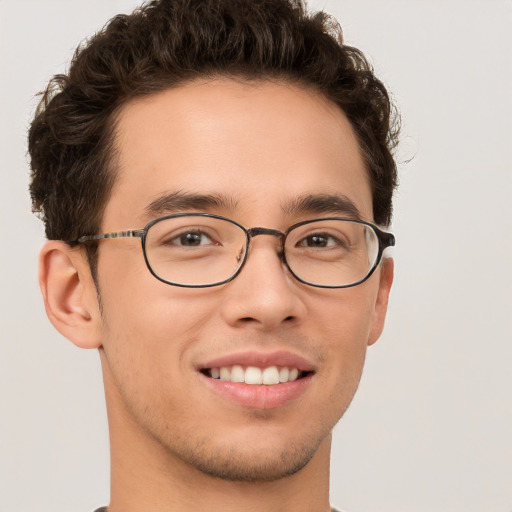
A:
x,y
69,293
381,303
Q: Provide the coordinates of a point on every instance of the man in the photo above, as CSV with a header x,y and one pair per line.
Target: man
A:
x,y
211,175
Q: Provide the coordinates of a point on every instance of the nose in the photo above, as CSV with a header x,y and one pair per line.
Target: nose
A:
x,y
264,295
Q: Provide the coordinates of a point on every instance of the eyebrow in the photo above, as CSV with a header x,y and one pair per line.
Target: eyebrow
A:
x,y
323,204
174,202
180,201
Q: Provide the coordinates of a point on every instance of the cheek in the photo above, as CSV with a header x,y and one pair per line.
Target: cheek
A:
x,y
344,321
148,341
147,326
154,325
140,306
345,314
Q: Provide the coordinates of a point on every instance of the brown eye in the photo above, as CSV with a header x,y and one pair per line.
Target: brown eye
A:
x,y
196,238
315,241
190,239
320,241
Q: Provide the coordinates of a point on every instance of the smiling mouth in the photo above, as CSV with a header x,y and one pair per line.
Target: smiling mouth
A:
x,y
268,376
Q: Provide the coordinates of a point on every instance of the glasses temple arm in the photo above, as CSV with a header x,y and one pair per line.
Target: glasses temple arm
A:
x,y
131,233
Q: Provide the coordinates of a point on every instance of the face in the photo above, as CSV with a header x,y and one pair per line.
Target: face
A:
x,y
261,148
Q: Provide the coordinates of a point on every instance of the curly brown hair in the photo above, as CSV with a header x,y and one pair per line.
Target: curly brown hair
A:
x,y
168,42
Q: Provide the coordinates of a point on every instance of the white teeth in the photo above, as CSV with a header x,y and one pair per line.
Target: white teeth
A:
x,y
270,375
254,375
237,374
283,374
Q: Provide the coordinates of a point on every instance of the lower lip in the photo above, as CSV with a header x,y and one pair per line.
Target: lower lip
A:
x,y
260,396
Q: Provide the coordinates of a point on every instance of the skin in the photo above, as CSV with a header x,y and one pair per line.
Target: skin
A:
x,y
176,443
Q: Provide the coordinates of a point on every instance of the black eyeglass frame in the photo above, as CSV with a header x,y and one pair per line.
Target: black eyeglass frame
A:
x,y
385,240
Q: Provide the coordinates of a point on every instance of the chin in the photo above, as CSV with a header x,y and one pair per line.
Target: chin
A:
x,y
251,464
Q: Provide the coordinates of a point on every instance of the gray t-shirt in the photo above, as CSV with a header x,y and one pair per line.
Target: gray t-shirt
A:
x,y
104,509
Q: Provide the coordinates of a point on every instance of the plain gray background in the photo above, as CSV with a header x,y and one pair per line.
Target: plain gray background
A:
x,y
431,426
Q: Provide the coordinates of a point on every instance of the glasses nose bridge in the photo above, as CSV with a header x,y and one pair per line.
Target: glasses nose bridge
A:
x,y
257,231
253,232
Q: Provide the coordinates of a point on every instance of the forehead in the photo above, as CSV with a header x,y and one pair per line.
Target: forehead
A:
x,y
259,145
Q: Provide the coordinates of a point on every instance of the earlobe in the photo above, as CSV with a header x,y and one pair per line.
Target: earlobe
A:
x,y
381,303
69,293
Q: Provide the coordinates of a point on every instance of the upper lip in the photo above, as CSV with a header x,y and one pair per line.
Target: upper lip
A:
x,y
261,360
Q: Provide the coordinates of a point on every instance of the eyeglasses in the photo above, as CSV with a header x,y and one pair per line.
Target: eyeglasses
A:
x,y
198,250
